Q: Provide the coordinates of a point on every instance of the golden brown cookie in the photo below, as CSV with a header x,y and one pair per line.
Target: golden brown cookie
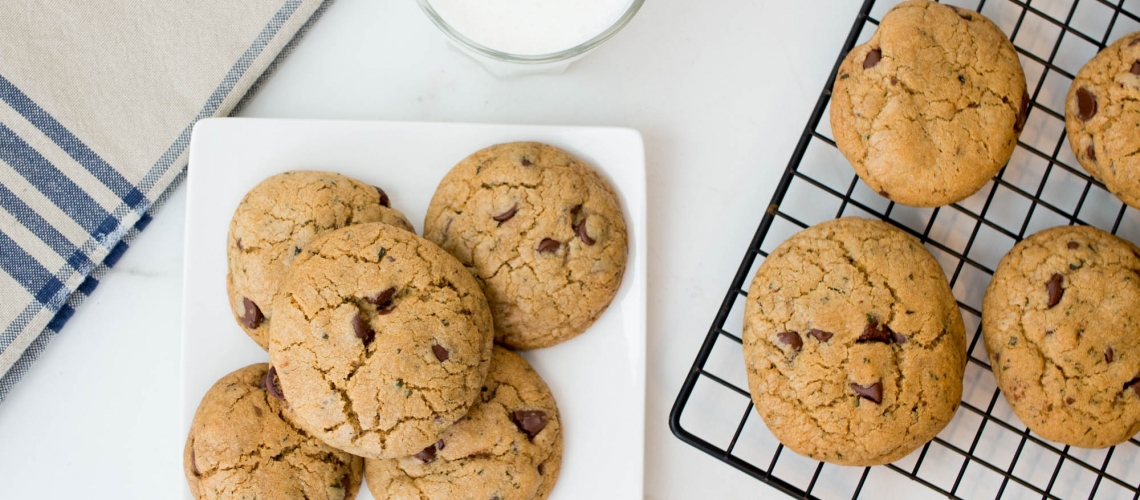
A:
x,y
853,342
930,108
1061,320
275,220
382,340
1102,117
509,446
244,444
542,231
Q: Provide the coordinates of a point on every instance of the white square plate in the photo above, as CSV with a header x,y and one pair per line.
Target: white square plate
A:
x,y
598,378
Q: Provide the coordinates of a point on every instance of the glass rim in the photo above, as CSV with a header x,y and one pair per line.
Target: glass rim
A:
x,y
561,55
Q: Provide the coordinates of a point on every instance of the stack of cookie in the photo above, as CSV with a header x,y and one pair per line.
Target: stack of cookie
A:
x,y
381,343
853,341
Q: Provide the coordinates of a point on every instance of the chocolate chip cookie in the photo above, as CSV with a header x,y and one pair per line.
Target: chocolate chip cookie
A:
x,y
543,233
1061,320
244,443
509,446
1102,116
275,220
853,342
930,108
382,340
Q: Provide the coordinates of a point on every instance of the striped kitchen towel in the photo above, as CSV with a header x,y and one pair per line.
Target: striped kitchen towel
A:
x,y
97,100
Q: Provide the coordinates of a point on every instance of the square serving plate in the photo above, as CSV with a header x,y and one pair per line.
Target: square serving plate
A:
x,y
598,378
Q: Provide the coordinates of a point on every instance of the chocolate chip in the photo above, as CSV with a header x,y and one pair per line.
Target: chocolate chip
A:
x,y
426,456
820,335
873,392
884,193
1135,68
383,197
583,234
1090,151
526,162
439,444
194,463
239,244
363,331
874,332
441,352
1022,112
1056,289
1070,400
506,216
1109,355
897,337
382,300
382,297
1134,384
548,245
257,411
530,422
961,78
791,338
1086,104
252,317
872,59
346,482
271,384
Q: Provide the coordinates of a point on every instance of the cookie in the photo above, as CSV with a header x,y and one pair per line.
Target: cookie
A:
x,y
543,233
275,220
381,340
1061,322
930,108
244,443
853,343
1102,113
509,446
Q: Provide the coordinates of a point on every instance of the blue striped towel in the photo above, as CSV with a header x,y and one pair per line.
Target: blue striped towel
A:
x,y
97,100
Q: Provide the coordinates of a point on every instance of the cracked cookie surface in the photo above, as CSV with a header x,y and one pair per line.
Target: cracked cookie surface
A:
x,y
1102,116
542,231
244,444
1061,321
382,340
509,446
275,220
930,108
853,343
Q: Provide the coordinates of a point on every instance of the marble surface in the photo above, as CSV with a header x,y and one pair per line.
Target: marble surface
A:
x,y
720,91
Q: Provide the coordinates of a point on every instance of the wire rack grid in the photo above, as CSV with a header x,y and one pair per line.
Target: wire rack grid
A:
x,y
985,452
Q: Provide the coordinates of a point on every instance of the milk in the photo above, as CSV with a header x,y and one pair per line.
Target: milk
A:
x,y
530,27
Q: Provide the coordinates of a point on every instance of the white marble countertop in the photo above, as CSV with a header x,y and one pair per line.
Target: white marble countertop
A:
x,y
720,91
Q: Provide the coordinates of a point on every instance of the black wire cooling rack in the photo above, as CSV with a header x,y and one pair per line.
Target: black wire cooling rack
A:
x,y
985,452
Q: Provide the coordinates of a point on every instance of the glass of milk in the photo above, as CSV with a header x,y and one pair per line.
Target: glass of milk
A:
x,y
517,37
